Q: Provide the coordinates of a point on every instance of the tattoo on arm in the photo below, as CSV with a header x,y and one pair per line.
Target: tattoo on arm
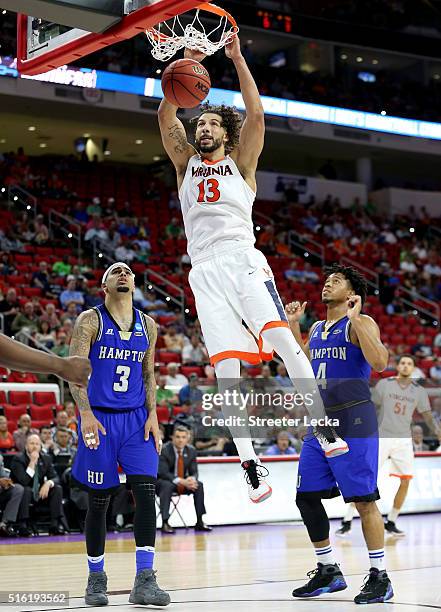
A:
x,y
148,365
84,333
177,134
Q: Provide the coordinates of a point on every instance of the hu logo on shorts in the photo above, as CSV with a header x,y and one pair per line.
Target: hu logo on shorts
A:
x,y
95,477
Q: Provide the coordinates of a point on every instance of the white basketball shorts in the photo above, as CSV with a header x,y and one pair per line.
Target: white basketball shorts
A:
x,y
400,453
231,289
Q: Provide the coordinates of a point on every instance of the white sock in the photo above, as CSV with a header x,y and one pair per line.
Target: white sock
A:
x,y
376,558
325,555
228,376
349,513
298,366
393,515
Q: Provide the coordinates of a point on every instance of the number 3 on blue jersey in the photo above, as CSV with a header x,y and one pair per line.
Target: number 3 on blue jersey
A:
x,y
123,384
321,375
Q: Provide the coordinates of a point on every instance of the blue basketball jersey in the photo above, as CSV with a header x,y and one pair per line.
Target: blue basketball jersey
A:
x,y
341,364
116,358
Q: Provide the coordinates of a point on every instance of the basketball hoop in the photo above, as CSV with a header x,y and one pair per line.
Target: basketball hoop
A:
x,y
168,38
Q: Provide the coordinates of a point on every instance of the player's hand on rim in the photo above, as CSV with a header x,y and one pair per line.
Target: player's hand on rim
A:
x,y
151,425
232,49
89,429
197,56
294,311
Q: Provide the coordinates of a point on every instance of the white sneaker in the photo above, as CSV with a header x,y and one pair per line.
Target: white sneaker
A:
x,y
258,489
332,447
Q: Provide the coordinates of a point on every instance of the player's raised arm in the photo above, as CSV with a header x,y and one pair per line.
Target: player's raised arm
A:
x,y
174,136
84,333
148,373
17,356
252,134
368,336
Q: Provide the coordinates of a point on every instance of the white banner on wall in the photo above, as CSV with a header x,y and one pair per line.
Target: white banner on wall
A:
x,y
395,200
227,503
271,186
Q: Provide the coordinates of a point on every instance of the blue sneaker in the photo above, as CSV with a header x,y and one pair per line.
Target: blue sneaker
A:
x,y
377,588
323,579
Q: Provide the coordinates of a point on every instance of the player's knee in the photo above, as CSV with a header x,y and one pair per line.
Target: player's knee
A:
x,y
366,507
143,487
98,502
314,517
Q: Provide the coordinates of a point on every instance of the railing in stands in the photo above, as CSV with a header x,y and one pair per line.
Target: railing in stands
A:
x,y
19,195
308,245
67,226
150,284
411,299
99,254
2,323
26,338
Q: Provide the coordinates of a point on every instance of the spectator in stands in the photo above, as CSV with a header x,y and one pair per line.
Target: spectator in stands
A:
x,y
190,395
55,288
195,352
128,228
72,295
41,277
282,445
71,313
139,299
174,379
436,411
125,253
92,297
94,207
174,229
435,371
421,349
34,471
408,265
173,201
61,347
152,192
67,328
45,335
165,397
417,439
7,267
155,306
10,499
47,441
23,431
26,320
266,239
62,267
50,315
80,213
173,341
62,422
7,442
22,377
178,473
437,341
395,308
72,422
432,267
63,443
41,232
9,308
282,377
95,229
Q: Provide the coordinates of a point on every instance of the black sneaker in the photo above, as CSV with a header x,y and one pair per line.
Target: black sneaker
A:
x,y
391,528
323,579
258,489
96,590
344,530
377,588
146,591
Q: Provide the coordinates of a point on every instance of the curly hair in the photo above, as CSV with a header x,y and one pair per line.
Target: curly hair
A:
x,y
231,122
353,276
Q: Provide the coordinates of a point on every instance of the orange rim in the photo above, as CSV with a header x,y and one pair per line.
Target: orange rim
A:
x,y
205,6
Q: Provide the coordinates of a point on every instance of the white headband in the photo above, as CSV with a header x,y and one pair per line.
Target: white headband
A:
x,y
118,264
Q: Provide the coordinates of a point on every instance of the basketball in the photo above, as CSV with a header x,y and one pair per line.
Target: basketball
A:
x,y
185,83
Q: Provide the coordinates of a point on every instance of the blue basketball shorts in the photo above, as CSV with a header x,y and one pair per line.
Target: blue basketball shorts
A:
x,y
353,474
123,445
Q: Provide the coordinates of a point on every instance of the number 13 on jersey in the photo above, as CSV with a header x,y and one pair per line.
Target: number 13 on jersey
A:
x,y
208,191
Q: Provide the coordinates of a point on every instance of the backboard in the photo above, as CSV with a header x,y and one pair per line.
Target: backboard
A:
x,y
53,38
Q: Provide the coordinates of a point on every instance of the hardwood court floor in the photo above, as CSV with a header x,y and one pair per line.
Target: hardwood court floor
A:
x,y
241,568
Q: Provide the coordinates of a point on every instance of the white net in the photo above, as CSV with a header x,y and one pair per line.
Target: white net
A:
x,y
168,38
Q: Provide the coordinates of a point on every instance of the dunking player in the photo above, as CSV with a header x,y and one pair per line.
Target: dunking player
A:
x,y
397,398
231,280
116,429
342,350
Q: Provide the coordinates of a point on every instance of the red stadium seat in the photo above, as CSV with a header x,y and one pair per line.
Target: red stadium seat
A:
x,y
187,370
20,397
31,291
12,413
169,357
3,398
12,426
42,413
40,424
44,397
163,414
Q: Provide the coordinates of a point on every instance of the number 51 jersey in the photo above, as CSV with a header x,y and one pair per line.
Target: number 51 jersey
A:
x,y
116,357
216,205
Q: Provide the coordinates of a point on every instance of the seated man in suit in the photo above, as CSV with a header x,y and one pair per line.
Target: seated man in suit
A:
x,y
34,471
178,473
10,497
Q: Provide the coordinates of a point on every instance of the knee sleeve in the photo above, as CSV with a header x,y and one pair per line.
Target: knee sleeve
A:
x,y
95,525
144,526
315,518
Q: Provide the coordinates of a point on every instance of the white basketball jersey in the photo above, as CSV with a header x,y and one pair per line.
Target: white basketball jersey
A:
x,y
216,206
397,405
